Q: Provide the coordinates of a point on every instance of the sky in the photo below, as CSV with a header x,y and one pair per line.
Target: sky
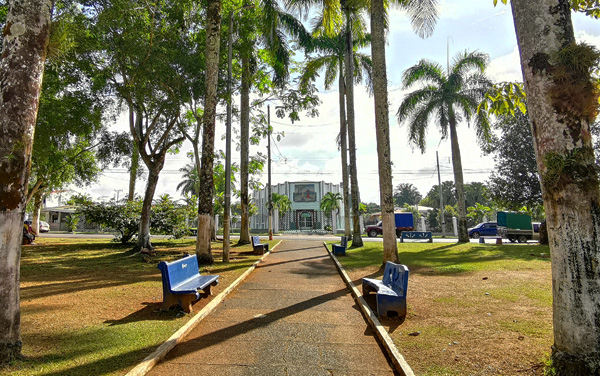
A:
x,y
308,152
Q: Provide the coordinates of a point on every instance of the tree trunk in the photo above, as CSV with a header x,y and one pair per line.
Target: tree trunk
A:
x,y
382,128
560,125
37,207
135,161
144,232
133,171
356,234
213,31
245,149
344,150
463,235
21,69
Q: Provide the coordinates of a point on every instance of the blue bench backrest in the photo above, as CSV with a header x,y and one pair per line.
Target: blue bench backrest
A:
x,y
344,241
255,240
176,272
396,276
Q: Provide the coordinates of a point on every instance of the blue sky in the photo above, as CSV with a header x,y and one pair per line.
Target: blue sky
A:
x,y
308,151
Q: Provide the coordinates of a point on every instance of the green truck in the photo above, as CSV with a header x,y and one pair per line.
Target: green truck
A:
x,y
515,226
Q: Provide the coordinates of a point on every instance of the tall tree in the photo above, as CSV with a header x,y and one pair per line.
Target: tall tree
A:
x,y
330,58
432,198
406,193
144,53
25,38
213,43
562,102
423,15
514,182
447,98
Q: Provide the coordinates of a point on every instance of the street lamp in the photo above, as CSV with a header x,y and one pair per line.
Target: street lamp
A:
x,y
227,204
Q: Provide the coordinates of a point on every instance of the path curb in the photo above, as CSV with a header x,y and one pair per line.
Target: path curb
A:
x,y
161,351
382,334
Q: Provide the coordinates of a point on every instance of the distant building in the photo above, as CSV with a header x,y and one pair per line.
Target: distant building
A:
x,y
305,213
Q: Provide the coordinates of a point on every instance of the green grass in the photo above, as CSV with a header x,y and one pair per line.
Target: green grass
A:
x,y
89,306
452,258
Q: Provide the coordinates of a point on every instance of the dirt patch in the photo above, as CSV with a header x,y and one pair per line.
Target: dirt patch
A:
x,y
479,323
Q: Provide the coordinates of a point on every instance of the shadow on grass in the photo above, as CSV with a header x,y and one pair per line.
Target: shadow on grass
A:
x,y
446,259
150,312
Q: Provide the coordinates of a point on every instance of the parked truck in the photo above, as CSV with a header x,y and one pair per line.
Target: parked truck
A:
x,y
404,222
515,226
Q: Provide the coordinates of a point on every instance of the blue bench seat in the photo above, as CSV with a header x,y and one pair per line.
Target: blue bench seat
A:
x,y
259,249
182,283
340,249
390,291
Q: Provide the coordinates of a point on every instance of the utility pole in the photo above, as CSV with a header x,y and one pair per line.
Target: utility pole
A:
x,y
269,199
442,218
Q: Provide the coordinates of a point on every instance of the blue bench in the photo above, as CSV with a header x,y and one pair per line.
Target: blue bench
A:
x,y
259,248
181,282
497,238
340,249
391,291
416,235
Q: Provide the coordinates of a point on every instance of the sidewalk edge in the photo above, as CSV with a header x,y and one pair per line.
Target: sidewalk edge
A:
x,y
161,351
382,334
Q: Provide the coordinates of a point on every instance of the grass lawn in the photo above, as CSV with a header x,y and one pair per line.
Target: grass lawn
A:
x,y
90,307
476,309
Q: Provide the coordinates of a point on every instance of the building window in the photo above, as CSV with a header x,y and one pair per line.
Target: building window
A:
x,y
305,220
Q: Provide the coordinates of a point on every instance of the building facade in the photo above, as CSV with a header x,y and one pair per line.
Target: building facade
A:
x,y
305,214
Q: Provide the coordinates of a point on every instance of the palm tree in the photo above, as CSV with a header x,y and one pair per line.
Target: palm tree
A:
x,y
281,203
331,59
447,98
190,183
205,199
330,202
264,25
423,14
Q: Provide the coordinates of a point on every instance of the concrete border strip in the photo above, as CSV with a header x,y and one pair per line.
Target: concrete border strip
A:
x,y
161,351
382,334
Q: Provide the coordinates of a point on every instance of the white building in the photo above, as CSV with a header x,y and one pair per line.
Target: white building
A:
x,y
305,213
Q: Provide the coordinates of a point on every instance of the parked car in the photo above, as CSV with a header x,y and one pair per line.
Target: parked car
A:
x,y
44,226
403,222
484,229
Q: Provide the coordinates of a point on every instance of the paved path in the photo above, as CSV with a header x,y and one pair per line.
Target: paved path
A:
x,y
292,316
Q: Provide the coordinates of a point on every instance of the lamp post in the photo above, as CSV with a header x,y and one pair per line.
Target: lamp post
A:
x,y
227,203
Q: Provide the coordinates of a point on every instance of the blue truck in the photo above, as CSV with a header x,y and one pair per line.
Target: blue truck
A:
x,y
404,222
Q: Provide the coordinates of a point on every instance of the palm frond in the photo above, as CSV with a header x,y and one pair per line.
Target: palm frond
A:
x,y
412,101
425,71
331,73
423,15
463,62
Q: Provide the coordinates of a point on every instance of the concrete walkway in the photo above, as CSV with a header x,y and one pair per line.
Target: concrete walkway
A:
x,y
292,316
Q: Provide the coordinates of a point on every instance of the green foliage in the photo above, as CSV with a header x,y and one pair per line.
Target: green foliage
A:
x,y
589,7
122,218
330,202
406,193
504,98
479,211
445,97
576,87
80,199
281,203
372,208
167,218
72,221
432,199
412,209
514,181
